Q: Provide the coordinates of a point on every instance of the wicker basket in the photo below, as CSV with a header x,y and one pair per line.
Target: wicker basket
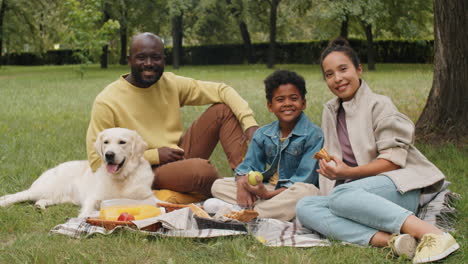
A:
x,y
109,224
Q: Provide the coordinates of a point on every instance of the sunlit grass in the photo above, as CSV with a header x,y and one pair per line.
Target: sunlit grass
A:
x,y
44,114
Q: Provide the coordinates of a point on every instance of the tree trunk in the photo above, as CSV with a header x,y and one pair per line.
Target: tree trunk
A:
x,y
370,47
123,44
271,48
445,116
177,36
3,8
105,48
344,27
104,56
247,42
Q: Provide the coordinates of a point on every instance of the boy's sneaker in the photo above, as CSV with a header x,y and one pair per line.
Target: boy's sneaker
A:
x,y
213,205
402,245
435,247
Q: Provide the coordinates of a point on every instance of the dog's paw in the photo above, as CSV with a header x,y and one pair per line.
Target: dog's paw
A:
x,y
41,204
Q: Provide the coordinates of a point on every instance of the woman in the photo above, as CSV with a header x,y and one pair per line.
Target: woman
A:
x,y
378,175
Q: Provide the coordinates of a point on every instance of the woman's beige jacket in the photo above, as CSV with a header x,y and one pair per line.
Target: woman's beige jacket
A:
x,y
378,131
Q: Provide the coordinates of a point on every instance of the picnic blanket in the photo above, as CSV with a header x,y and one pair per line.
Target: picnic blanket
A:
x,y
438,211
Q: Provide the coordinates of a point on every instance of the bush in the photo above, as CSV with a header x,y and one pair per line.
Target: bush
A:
x,y
387,51
55,57
420,51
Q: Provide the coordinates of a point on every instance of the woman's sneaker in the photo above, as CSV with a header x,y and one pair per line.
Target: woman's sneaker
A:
x,y
402,245
435,247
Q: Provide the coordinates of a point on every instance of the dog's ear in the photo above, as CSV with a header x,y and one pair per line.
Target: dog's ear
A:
x,y
98,145
139,145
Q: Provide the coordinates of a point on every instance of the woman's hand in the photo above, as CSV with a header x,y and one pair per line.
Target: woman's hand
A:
x,y
244,197
342,171
339,172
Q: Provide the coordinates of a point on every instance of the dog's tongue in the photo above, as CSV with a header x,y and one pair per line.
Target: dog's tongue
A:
x,y
112,168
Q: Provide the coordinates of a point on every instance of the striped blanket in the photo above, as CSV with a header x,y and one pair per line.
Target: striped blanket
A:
x,y
271,232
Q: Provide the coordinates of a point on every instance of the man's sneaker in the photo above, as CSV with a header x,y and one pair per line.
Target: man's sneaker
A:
x,y
402,245
435,247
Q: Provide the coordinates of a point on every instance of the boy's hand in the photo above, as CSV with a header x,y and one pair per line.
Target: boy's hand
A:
x,y
244,197
338,172
261,191
258,190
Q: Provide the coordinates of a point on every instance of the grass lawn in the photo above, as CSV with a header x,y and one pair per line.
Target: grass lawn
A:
x,y
44,114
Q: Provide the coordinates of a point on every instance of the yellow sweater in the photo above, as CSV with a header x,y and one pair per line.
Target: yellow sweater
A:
x,y
154,111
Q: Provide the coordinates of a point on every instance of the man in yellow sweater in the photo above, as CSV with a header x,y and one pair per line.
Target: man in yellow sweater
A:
x,y
148,100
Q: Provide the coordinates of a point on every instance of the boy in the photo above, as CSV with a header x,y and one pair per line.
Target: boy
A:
x,y
282,151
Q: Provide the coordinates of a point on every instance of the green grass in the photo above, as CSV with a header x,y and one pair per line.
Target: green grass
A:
x,y
44,114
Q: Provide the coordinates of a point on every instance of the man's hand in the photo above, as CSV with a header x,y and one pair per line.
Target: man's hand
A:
x,y
249,132
167,155
244,197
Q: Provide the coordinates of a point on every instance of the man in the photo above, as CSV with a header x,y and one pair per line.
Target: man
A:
x,y
148,100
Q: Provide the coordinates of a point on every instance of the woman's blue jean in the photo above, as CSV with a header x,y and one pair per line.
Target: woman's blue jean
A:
x,y
355,211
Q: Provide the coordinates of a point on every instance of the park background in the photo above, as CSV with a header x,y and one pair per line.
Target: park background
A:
x,y
78,47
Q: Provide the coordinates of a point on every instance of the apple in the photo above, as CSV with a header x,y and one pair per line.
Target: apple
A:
x,y
252,179
125,217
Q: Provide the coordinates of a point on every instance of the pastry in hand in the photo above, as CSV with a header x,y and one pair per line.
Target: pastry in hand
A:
x,y
243,216
322,154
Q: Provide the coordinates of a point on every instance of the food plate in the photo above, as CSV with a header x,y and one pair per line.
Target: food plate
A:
x,y
109,224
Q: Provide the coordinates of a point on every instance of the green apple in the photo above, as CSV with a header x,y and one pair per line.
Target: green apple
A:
x,y
252,179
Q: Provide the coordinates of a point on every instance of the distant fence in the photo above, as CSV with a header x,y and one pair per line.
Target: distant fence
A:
x,y
386,51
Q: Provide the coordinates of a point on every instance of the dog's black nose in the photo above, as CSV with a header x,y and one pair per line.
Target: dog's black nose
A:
x,y
110,156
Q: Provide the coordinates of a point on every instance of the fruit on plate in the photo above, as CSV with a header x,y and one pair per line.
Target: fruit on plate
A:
x,y
125,217
252,179
139,212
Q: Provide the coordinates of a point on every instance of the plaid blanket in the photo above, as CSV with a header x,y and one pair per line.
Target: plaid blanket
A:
x,y
271,232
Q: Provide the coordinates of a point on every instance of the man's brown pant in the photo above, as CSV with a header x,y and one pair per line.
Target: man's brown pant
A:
x,y
195,173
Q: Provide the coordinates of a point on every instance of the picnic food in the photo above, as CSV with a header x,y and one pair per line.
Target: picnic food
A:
x,y
169,207
125,217
243,216
138,211
322,154
198,211
252,179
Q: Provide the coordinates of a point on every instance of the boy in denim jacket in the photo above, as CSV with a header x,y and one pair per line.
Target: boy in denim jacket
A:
x,y
282,151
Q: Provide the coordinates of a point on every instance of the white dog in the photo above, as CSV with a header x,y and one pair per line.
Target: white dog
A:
x,y
124,173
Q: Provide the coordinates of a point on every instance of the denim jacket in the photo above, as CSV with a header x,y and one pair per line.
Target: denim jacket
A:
x,y
293,157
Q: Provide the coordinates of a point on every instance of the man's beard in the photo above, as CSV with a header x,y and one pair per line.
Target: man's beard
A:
x,y
137,75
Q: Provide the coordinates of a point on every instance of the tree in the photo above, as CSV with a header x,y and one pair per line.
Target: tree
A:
x,y
177,8
86,31
237,10
3,8
445,116
105,47
272,44
177,40
344,27
370,45
123,30
21,19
